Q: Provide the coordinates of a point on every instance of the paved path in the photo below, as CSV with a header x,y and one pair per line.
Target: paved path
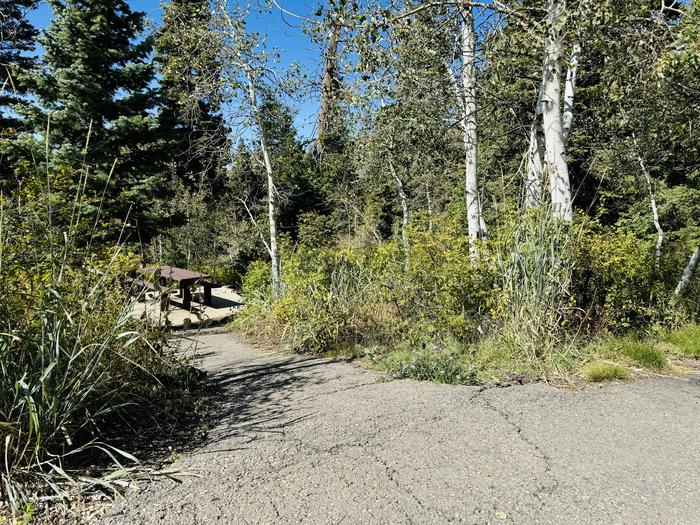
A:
x,y
312,441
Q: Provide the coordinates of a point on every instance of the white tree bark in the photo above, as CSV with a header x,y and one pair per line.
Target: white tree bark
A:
x,y
474,221
404,208
557,168
688,272
569,91
483,232
534,182
272,248
654,210
536,155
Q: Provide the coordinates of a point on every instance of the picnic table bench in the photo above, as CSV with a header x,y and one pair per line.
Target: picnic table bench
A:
x,y
184,279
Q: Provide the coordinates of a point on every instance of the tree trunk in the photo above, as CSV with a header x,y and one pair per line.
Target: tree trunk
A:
x,y
483,231
556,165
275,262
534,183
535,165
404,208
329,89
569,91
654,210
470,130
688,272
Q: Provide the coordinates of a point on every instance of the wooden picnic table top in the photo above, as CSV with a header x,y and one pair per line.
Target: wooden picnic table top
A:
x,y
175,274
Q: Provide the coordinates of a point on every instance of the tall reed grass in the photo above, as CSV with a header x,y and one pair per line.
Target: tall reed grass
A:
x,y
535,259
72,357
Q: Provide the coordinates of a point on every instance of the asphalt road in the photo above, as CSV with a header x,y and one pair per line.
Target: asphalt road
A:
x,y
311,441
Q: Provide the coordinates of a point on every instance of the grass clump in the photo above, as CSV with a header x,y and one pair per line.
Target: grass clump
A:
x,y
685,341
599,371
626,349
429,364
645,354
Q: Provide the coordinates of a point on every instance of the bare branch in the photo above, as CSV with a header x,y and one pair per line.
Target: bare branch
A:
x,y
255,224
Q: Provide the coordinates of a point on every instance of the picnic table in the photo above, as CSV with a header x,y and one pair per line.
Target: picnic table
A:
x,y
184,280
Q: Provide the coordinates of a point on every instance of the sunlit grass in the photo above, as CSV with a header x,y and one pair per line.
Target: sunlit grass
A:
x,y
631,350
599,371
685,341
645,354
495,360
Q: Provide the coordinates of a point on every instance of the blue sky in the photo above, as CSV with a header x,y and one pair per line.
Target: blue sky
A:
x,y
282,32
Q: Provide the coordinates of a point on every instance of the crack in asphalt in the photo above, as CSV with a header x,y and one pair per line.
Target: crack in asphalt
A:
x,y
389,472
542,488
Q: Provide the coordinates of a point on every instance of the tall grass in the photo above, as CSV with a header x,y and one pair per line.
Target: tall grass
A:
x,y
72,357
535,260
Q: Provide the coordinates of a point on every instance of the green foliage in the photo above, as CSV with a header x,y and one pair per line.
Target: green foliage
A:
x,y
17,41
429,364
93,103
205,237
527,309
599,371
393,153
72,358
630,349
256,284
534,258
685,341
365,294
190,118
615,278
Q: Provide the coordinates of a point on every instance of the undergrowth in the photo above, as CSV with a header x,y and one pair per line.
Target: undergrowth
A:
x,y
74,364
684,342
544,300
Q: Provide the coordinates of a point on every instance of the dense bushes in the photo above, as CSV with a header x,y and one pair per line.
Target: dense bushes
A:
x,y
615,280
375,293
540,290
72,357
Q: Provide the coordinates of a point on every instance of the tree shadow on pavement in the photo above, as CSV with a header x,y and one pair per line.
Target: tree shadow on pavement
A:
x,y
259,400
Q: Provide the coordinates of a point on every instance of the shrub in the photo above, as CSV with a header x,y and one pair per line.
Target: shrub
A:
x,y
256,283
598,371
367,294
614,281
540,290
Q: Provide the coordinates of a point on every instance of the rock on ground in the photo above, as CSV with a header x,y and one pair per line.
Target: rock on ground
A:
x,y
311,441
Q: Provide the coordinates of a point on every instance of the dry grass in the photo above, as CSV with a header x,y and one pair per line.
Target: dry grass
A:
x,y
599,371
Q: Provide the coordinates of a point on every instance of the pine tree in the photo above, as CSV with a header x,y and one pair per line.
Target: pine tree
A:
x,y
190,117
17,37
94,98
